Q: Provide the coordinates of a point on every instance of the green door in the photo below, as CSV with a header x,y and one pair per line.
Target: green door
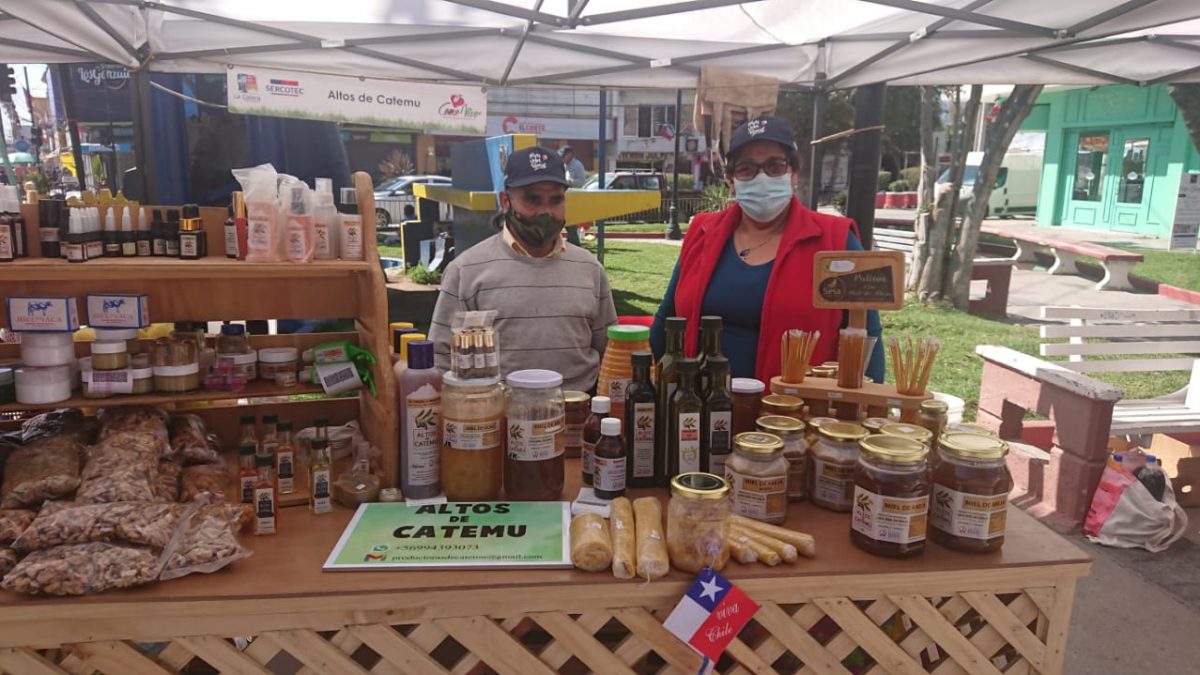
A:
x,y
1109,188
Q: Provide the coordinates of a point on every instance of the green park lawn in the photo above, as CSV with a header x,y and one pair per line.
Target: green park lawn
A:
x,y
1179,269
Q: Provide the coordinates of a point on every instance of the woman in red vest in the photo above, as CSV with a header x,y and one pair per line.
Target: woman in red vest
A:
x,y
752,263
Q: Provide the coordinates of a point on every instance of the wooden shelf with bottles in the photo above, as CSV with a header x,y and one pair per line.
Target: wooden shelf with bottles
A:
x,y
219,289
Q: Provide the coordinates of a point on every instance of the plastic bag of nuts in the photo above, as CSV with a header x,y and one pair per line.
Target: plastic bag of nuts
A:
x,y
47,468
119,469
205,483
81,569
145,523
209,541
12,523
166,488
151,423
8,560
191,442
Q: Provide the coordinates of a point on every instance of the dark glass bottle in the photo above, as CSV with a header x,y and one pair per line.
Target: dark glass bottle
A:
x,y
193,240
601,409
646,453
158,234
171,233
718,418
676,326
687,408
611,459
710,346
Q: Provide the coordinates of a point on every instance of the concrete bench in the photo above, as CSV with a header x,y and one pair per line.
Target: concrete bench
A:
x,y
1131,333
990,277
1117,263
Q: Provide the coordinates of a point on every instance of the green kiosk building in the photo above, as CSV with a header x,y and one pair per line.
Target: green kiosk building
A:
x,y
1113,158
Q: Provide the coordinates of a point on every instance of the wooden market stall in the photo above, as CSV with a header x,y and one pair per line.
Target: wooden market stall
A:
x,y
945,612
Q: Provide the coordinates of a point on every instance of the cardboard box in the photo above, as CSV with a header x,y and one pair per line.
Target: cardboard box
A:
x,y
43,315
118,311
1181,462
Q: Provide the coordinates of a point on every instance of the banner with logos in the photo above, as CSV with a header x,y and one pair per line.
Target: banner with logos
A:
x,y
385,103
548,127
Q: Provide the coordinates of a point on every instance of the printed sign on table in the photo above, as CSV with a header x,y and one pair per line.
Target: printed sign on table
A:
x,y
385,103
455,535
1187,213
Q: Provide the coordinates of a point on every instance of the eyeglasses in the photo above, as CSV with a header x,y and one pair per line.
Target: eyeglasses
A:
x,y
773,167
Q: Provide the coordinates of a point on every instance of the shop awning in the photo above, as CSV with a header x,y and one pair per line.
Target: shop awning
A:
x,y
627,43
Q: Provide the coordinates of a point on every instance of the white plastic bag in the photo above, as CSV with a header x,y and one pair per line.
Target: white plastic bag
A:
x,y
1124,514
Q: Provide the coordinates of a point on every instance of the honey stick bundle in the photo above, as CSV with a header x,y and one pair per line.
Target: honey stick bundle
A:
x,y
796,352
852,354
912,362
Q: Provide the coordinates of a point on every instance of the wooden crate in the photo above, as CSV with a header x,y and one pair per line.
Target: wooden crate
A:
x,y
944,613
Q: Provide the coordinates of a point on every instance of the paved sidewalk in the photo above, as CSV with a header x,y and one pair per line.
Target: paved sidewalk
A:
x,y
1033,289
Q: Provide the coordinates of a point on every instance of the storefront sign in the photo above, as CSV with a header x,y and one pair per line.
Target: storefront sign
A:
x,y
859,280
386,103
460,535
1187,214
547,127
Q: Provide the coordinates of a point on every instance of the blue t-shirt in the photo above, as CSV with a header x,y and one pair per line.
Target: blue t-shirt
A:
x,y
735,293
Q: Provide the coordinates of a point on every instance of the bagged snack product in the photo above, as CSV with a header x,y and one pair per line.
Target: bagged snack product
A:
x,y
191,442
166,488
8,560
207,483
82,569
145,523
137,420
134,483
12,523
209,541
591,549
652,561
624,563
64,421
47,468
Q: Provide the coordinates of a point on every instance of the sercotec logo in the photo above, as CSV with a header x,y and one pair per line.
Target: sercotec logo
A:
x,y
284,87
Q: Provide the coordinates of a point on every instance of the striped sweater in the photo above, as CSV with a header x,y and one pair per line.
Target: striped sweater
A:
x,y
551,313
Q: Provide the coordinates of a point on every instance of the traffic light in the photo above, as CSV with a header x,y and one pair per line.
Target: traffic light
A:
x,y
8,87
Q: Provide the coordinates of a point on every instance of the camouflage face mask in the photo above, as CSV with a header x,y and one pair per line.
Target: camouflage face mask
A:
x,y
537,231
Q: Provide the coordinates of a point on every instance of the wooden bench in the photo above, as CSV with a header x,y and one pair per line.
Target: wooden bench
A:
x,y
1125,333
990,277
1117,264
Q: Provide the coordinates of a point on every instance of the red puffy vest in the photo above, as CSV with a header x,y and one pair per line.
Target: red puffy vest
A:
x,y
788,301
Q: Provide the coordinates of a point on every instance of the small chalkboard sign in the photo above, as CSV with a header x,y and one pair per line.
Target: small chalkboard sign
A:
x,y
858,280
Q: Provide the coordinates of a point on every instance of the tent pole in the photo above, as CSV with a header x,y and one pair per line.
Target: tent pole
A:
x,y
866,148
673,232
67,89
815,158
143,150
603,162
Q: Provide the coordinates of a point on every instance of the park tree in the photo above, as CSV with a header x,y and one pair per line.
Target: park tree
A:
x,y
1187,99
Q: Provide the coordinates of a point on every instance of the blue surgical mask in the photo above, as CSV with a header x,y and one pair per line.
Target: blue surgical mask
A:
x,y
763,197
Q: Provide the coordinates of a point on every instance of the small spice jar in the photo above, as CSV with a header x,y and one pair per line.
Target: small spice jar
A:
x,y
45,350
143,380
177,379
109,356
891,497
472,451
36,386
127,335
782,404
757,473
534,469
910,431
8,386
747,402
275,360
969,510
791,431
232,340
698,522
578,406
831,465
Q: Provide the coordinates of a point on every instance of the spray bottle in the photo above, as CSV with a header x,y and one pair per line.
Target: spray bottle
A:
x,y
325,222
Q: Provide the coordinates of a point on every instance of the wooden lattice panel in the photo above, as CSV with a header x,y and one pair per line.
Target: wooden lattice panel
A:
x,y
969,632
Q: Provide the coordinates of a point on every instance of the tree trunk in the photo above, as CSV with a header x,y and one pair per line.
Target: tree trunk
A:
x,y
920,254
1187,98
934,276
999,135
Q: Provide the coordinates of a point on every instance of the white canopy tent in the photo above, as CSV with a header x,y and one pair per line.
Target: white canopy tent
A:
x,y
627,43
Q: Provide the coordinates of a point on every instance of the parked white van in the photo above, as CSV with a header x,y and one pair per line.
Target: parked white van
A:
x,y
1016,188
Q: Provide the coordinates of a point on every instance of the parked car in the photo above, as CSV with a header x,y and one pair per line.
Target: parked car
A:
x,y
628,180
1016,188
394,199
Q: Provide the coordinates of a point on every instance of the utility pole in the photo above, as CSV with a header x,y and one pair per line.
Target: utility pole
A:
x,y
673,232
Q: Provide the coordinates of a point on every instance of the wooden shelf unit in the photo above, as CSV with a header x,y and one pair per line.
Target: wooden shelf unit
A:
x,y
219,289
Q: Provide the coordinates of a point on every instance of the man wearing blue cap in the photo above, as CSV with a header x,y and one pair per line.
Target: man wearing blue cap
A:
x,y
552,300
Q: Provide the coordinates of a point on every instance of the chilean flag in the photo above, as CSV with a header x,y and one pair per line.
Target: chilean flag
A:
x,y
711,614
